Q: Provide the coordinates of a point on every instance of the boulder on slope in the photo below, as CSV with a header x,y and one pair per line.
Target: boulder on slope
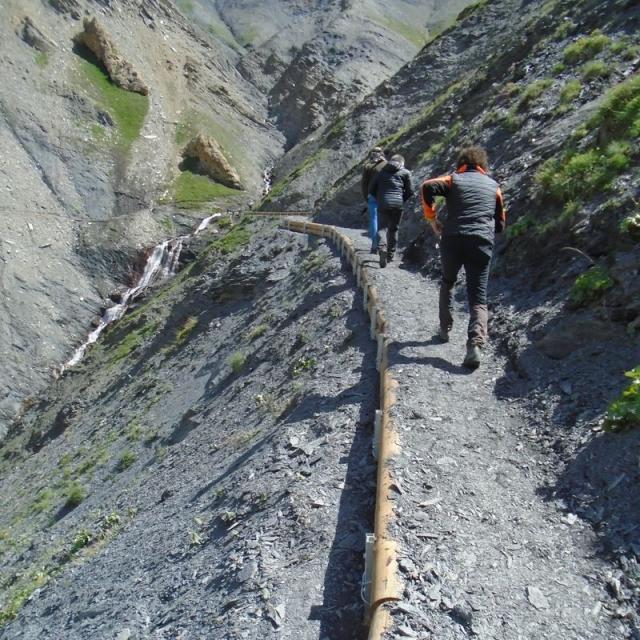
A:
x,y
212,161
122,74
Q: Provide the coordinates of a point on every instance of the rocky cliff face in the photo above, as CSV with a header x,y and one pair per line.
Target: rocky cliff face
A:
x,y
90,173
315,59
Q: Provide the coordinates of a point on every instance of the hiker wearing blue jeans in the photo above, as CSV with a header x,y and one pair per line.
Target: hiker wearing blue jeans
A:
x,y
475,213
372,168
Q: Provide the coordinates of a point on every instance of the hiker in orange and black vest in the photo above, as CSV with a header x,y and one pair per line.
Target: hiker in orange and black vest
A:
x,y
475,213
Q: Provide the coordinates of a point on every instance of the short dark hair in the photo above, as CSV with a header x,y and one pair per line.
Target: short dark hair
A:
x,y
473,155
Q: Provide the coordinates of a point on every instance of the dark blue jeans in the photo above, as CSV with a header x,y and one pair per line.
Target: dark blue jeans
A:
x,y
474,254
373,221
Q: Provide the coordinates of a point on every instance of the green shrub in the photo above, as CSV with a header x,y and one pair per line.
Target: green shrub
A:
x,y
624,411
511,122
185,329
257,331
594,70
303,364
620,112
44,501
81,540
75,494
126,460
520,226
585,48
237,361
563,29
631,52
631,225
570,91
558,68
590,286
533,92
237,237
618,46
579,175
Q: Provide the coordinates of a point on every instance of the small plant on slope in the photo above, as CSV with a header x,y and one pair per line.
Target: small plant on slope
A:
x,y
624,411
590,286
585,48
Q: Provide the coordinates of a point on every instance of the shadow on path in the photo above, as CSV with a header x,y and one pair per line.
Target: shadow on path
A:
x,y
396,356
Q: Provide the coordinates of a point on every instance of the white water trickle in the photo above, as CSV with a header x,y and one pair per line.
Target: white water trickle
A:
x,y
267,180
205,223
161,264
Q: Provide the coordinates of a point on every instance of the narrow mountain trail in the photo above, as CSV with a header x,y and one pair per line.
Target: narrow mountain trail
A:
x,y
484,551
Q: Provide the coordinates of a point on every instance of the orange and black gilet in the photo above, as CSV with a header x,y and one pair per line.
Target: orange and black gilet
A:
x,y
474,203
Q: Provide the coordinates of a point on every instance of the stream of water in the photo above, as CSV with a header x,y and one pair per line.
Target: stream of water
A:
x,y
161,264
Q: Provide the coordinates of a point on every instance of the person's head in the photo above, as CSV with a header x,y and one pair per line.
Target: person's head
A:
x,y
397,159
376,153
473,155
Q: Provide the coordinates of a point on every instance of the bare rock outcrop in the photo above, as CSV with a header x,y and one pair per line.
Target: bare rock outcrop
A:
x,y
212,160
72,7
30,34
122,74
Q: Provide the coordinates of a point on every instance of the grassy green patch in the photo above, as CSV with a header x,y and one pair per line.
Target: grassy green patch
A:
x,y
132,341
558,68
82,539
237,237
127,109
126,460
580,175
192,187
21,594
533,92
631,225
303,364
416,34
586,48
75,494
620,112
257,331
570,91
472,8
595,69
520,226
624,411
237,361
220,30
185,329
43,501
42,59
590,286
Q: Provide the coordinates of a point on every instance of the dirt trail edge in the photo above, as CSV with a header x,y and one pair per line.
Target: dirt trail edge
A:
x,y
482,553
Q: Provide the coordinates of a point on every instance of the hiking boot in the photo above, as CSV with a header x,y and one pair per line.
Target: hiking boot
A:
x,y
374,249
472,359
443,334
390,256
382,254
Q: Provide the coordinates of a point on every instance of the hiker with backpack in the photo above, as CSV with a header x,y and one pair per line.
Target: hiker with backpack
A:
x,y
475,213
391,189
372,167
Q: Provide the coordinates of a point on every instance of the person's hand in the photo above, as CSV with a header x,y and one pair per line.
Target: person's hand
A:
x,y
436,225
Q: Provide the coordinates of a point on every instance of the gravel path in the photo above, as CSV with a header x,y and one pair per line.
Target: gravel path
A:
x,y
485,553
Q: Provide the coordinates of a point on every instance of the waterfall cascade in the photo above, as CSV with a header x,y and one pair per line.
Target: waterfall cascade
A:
x,y
161,264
